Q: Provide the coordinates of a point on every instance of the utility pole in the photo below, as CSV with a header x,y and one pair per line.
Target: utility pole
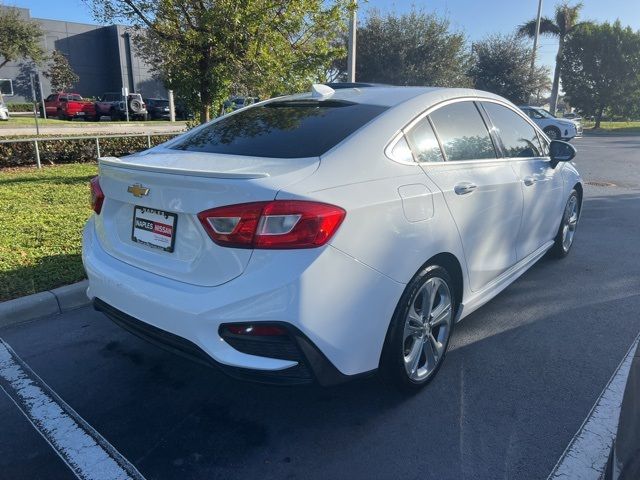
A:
x,y
351,55
35,105
535,39
44,109
172,107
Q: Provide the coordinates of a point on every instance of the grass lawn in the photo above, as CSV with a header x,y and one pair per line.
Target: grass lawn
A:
x,y
42,213
615,127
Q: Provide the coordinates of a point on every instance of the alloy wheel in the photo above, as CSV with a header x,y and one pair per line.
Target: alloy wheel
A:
x,y
552,133
427,328
570,223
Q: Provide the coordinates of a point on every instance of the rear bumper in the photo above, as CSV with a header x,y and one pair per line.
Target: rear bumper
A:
x,y
311,363
336,309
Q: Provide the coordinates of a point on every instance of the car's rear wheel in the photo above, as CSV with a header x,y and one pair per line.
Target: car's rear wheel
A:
x,y
60,114
420,330
567,230
552,132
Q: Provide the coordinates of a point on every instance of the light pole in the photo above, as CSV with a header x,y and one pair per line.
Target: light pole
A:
x,y
535,38
351,53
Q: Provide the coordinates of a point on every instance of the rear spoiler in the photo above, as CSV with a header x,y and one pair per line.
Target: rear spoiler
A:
x,y
132,165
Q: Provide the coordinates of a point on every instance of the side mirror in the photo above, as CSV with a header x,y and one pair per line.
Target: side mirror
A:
x,y
560,151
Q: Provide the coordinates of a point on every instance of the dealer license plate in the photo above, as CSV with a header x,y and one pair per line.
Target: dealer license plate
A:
x,y
154,228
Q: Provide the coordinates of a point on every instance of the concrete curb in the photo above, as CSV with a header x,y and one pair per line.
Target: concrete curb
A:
x,y
609,134
58,300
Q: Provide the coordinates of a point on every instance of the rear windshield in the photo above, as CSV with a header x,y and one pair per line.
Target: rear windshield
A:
x,y
286,129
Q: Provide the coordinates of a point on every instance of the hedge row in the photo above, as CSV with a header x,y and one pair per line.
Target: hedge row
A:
x,y
72,151
20,107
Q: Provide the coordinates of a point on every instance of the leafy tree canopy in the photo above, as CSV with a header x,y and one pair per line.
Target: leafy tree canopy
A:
x,y
502,65
600,69
60,73
19,38
414,48
209,49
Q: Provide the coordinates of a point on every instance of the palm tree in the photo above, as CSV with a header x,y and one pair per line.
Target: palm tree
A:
x,y
565,22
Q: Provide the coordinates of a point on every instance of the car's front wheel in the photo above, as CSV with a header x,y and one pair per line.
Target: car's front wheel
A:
x,y
567,230
553,133
420,330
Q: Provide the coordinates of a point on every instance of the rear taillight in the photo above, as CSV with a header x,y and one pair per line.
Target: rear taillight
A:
x,y
279,224
97,196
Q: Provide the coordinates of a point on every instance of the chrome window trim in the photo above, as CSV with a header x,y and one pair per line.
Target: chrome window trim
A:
x,y
396,138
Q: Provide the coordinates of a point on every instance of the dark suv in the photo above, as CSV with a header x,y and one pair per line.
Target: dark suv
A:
x,y
158,108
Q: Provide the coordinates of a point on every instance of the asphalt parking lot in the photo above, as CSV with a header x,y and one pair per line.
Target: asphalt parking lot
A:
x,y
521,375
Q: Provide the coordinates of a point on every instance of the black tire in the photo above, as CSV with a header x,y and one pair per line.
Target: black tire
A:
x,y
115,115
393,361
135,106
60,114
561,247
553,133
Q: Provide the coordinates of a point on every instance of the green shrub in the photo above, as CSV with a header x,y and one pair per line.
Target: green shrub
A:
x,y
72,151
20,107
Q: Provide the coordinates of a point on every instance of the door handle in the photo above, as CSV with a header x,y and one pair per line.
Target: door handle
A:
x,y
464,188
528,181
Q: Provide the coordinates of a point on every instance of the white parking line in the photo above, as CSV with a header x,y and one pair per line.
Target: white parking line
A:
x,y
79,445
585,457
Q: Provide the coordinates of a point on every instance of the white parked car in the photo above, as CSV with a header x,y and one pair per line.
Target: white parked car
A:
x,y
555,128
329,235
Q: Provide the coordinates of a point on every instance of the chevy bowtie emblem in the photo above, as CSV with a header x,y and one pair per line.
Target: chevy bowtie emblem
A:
x,y
138,190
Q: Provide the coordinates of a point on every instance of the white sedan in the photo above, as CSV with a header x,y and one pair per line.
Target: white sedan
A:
x,y
555,128
328,235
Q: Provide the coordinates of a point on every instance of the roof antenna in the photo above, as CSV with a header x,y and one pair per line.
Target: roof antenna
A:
x,y
319,90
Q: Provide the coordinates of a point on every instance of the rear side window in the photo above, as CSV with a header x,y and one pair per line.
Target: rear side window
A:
x,y
401,151
424,142
462,131
285,129
519,139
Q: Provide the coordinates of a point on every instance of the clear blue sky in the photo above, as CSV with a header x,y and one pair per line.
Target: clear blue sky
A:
x,y
475,17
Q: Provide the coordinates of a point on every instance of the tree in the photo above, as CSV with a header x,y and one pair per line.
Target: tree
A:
x,y
208,49
60,73
600,68
19,38
564,22
414,48
501,64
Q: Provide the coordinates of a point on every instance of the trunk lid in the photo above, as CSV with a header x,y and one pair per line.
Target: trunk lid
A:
x,y
184,184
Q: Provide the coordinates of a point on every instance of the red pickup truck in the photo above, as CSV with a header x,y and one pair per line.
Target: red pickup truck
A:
x,y
67,106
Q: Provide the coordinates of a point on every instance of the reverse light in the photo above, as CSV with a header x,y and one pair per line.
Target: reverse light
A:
x,y
97,195
279,224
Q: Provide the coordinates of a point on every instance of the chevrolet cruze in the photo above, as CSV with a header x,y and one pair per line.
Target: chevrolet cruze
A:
x,y
328,235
